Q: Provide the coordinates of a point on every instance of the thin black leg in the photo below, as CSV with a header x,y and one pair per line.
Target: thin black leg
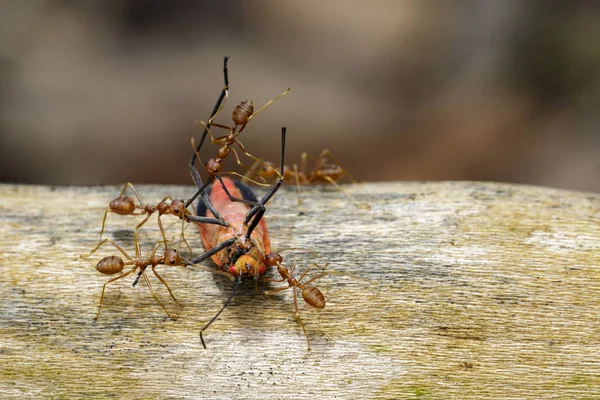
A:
x,y
206,220
212,251
217,105
258,210
233,292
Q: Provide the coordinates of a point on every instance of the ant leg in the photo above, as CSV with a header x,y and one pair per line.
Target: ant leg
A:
x,y
241,164
326,153
104,287
256,159
162,231
182,238
269,102
214,271
135,235
236,199
214,140
114,244
356,203
259,210
102,229
212,251
297,184
305,157
244,178
235,288
268,293
247,174
134,192
272,280
156,298
160,278
297,315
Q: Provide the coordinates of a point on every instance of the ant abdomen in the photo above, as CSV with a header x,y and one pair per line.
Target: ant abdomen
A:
x,y
313,297
332,171
122,205
242,112
110,265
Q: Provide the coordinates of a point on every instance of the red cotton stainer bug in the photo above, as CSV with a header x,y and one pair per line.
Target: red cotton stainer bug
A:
x,y
239,249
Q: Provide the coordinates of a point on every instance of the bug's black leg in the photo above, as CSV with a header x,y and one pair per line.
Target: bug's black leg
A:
x,y
258,210
212,251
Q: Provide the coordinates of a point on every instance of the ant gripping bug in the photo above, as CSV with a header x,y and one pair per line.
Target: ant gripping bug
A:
x,y
238,249
114,264
242,114
311,295
126,205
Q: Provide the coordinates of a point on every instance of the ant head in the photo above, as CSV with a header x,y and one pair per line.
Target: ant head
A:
x,y
213,166
177,207
272,259
171,257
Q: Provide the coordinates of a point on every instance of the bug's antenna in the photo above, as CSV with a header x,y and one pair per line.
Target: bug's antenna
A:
x,y
235,288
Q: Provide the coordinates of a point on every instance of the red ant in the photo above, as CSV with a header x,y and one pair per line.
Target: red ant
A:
x,y
239,248
322,172
242,114
311,295
126,205
114,264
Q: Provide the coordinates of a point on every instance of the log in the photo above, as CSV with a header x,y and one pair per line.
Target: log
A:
x,y
450,290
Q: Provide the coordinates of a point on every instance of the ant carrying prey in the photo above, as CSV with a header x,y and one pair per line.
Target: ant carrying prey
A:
x,y
311,295
114,264
242,114
240,248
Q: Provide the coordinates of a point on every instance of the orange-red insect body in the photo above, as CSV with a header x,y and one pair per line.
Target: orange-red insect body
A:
x,y
250,263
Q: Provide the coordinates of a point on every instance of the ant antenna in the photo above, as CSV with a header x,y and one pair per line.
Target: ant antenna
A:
x,y
137,279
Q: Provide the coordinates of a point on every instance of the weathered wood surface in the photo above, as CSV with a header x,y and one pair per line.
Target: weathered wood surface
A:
x,y
477,290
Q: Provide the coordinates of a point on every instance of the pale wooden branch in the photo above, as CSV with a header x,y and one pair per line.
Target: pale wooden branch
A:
x,y
470,291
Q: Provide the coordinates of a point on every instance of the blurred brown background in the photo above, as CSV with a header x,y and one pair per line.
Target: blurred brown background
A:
x,y
95,92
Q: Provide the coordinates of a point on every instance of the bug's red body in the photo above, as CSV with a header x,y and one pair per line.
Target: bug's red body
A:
x,y
234,213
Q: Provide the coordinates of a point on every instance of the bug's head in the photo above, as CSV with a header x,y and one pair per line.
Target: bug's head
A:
x,y
248,265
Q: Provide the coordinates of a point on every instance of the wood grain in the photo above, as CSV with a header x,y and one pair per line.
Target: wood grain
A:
x,y
470,291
